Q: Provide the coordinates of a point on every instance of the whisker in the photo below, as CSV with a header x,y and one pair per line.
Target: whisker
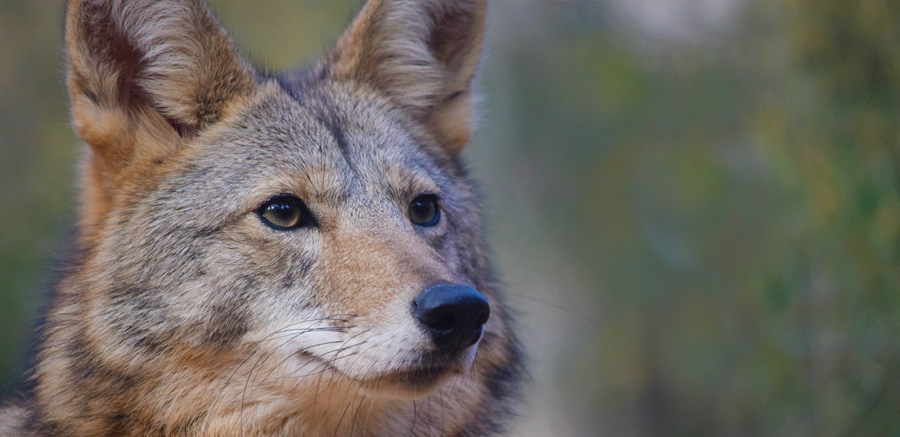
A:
x,y
255,350
334,359
343,347
260,362
558,307
290,356
368,413
338,427
355,414
415,419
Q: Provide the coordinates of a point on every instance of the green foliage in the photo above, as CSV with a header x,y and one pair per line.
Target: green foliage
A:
x,y
844,94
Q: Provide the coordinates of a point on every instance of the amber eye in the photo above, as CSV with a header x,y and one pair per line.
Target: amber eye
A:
x,y
424,210
283,212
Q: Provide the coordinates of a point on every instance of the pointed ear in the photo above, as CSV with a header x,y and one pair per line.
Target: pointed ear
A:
x,y
423,54
145,74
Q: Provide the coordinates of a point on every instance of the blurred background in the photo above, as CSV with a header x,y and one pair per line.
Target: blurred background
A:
x,y
695,204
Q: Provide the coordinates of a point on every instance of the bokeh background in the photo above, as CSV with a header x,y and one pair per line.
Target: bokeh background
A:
x,y
695,204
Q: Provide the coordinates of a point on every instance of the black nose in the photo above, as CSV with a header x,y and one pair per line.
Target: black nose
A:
x,y
453,315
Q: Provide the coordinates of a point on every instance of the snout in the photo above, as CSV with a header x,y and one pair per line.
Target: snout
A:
x,y
453,315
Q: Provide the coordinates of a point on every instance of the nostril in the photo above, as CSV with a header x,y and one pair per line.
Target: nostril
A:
x,y
483,319
445,321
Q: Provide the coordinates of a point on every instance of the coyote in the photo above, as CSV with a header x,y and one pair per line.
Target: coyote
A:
x,y
261,254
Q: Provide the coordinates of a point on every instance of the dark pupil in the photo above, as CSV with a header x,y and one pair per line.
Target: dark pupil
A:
x,y
282,213
423,211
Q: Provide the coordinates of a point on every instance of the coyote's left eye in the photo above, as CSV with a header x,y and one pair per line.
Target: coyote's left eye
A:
x,y
424,210
283,212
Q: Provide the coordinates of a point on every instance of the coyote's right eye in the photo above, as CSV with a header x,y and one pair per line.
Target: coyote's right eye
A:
x,y
283,213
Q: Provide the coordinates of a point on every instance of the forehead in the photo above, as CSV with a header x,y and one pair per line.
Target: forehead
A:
x,y
325,143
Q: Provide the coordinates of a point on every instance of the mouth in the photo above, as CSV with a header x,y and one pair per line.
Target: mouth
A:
x,y
402,383
409,383
415,377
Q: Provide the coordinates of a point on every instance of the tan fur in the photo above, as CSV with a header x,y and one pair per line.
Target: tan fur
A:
x,y
392,47
183,313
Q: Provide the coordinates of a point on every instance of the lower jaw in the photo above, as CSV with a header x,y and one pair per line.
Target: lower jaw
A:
x,y
408,384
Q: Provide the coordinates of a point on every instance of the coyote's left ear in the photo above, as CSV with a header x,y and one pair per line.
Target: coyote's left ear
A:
x,y
422,54
144,72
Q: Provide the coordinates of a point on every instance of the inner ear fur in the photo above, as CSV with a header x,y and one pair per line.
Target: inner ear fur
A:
x,y
422,54
145,74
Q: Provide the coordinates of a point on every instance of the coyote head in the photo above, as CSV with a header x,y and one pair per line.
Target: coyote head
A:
x,y
275,254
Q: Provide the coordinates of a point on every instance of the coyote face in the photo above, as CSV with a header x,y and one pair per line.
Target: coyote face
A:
x,y
274,255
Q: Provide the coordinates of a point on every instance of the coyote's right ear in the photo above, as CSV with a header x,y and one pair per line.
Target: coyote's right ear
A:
x,y
423,54
144,74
